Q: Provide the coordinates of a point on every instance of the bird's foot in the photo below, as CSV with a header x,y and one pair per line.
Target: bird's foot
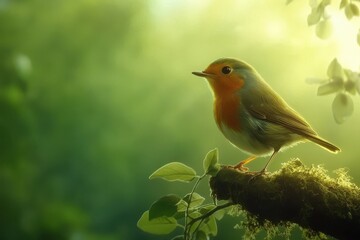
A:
x,y
257,174
241,165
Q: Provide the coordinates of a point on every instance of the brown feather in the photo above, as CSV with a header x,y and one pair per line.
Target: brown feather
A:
x,y
272,108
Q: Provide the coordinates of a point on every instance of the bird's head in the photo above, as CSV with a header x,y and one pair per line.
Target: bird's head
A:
x,y
226,75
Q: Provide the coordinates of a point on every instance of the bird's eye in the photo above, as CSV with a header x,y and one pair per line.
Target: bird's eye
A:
x,y
226,70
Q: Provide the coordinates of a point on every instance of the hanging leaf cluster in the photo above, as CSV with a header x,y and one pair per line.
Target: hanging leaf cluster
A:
x,y
342,82
320,18
189,213
350,8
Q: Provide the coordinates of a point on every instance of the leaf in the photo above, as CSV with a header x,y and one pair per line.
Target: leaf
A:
x,y
315,16
351,10
352,79
354,9
312,80
209,226
324,29
210,163
161,225
335,71
200,235
313,3
329,88
325,2
175,171
358,84
219,214
342,107
164,207
343,3
181,206
196,199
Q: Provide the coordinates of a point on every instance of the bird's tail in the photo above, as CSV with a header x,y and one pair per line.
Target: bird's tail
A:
x,y
323,143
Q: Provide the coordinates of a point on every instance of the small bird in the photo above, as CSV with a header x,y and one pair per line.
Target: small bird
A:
x,y
251,115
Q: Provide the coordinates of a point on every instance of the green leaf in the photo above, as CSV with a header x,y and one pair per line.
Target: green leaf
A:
x,y
324,29
342,107
313,3
343,3
358,84
209,226
210,163
181,206
354,9
161,225
219,214
329,88
351,10
175,171
192,215
348,12
312,80
196,199
200,235
352,79
164,207
315,16
325,2
335,71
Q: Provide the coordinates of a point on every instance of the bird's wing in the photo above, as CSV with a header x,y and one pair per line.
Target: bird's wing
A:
x,y
273,109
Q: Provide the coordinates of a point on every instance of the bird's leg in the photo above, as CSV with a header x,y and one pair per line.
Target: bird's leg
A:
x,y
272,155
241,165
263,171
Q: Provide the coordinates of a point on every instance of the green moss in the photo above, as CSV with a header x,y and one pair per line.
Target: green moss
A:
x,y
307,196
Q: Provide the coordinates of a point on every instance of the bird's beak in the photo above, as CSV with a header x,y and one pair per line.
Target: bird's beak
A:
x,y
203,74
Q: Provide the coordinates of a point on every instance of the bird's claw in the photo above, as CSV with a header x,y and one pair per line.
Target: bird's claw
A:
x,y
257,174
240,167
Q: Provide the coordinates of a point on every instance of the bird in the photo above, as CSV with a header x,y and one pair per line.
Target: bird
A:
x,y
252,116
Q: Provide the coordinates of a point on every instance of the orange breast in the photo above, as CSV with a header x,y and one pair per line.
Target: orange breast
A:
x,y
226,111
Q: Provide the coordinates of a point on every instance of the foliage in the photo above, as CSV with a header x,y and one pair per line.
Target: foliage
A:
x,y
199,219
321,18
341,81
95,93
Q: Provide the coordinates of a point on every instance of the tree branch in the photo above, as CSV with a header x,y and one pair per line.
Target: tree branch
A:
x,y
303,195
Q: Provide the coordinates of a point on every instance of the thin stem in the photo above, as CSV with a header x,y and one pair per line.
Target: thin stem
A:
x,y
186,229
180,226
198,226
209,213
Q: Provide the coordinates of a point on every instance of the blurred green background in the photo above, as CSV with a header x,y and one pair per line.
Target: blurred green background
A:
x,y
96,95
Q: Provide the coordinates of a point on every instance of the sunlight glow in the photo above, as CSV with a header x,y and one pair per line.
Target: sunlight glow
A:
x,y
345,35
275,29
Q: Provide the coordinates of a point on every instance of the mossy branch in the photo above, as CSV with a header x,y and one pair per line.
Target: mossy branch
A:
x,y
307,196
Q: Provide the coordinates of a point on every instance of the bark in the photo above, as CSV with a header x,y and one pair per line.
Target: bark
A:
x,y
307,196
